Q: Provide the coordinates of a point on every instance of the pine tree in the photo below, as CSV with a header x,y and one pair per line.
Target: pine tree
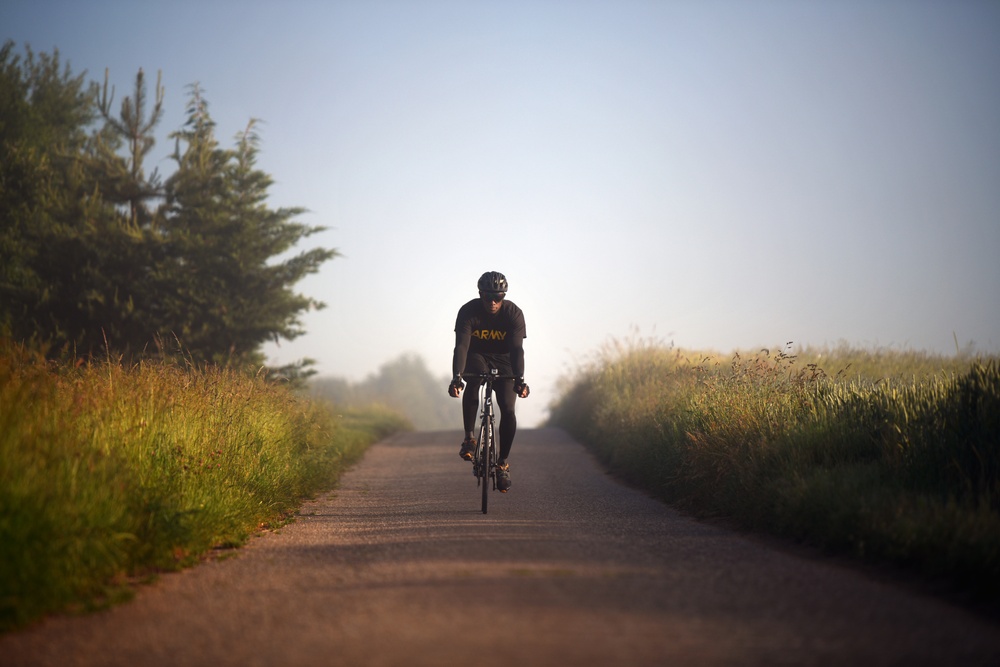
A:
x,y
96,256
228,296
121,245
46,198
192,297
124,178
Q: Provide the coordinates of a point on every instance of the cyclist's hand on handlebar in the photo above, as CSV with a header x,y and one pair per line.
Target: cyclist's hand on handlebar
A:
x,y
521,389
456,386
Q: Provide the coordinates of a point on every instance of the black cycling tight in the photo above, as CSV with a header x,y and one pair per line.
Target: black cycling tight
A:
x,y
505,398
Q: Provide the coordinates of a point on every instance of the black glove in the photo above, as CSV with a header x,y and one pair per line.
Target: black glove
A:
x,y
456,386
520,388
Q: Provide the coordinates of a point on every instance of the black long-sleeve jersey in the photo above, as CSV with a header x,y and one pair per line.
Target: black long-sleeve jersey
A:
x,y
498,336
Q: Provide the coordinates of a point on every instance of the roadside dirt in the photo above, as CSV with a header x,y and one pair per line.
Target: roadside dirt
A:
x,y
398,566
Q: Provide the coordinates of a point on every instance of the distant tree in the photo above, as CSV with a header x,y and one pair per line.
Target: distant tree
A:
x,y
335,389
404,384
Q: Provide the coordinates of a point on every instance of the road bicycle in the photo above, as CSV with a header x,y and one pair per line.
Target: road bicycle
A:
x,y
484,460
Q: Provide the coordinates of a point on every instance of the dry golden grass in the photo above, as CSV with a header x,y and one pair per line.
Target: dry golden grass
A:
x,y
893,456
108,473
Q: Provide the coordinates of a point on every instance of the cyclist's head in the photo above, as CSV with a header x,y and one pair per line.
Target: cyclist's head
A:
x,y
492,281
492,290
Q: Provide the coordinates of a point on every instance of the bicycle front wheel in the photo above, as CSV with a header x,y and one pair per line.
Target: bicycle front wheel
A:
x,y
486,446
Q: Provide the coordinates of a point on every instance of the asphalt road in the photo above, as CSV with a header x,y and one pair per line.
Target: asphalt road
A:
x,y
399,566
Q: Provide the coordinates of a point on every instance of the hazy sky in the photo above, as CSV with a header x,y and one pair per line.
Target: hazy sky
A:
x,y
720,174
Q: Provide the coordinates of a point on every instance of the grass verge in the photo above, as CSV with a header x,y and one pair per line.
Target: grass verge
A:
x,y
109,474
893,457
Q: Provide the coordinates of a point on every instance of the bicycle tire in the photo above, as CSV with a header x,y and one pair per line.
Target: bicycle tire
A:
x,y
486,440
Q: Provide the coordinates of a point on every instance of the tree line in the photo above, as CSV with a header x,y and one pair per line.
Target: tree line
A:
x,y
406,386
100,256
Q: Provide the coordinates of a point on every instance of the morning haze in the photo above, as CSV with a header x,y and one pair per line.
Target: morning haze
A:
x,y
722,175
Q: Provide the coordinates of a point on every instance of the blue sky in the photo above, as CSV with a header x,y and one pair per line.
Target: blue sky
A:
x,y
721,174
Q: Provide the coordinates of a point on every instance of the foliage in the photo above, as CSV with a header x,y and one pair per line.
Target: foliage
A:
x,y
97,256
48,211
109,473
122,178
897,462
406,386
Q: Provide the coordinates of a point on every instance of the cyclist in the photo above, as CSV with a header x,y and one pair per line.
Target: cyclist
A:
x,y
489,333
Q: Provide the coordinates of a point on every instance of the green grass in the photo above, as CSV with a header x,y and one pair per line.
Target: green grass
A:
x,y
109,474
889,456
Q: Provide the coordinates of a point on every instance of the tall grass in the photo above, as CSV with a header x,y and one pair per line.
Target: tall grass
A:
x,y
890,456
108,473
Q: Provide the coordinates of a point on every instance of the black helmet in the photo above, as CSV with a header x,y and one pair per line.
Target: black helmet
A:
x,y
492,281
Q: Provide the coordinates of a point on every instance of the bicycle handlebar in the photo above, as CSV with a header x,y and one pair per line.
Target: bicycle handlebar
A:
x,y
489,379
489,376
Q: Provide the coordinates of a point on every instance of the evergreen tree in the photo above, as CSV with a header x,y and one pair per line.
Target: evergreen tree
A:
x,y
94,253
46,197
229,296
124,178
192,294
124,301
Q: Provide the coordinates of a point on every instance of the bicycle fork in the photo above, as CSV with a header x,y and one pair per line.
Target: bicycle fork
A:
x,y
487,436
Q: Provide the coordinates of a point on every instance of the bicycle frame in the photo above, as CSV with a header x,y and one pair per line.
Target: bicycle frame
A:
x,y
487,451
